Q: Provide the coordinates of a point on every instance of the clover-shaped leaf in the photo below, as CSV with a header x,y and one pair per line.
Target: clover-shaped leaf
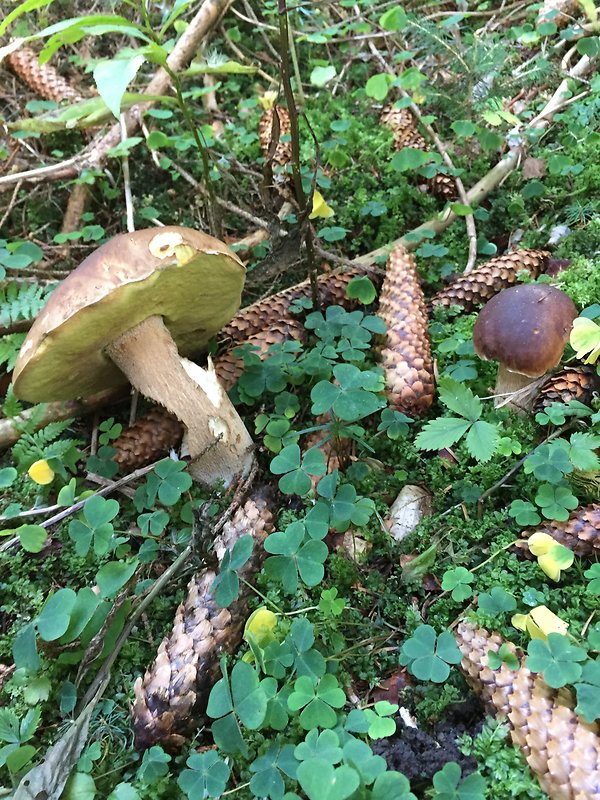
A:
x,y
449,786
593,574
557,658
394,424
524,513
294,557
226,585
549,462
317,701
352,397
556,501
206,776
359,755
322,781
96,525
428,655
392,785
295,468
505,655
588,691
380,723
267,780
323,745
457,581
168,481
497,601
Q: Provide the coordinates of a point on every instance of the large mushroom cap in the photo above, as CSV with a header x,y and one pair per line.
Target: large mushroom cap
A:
x,y
525,328
191,280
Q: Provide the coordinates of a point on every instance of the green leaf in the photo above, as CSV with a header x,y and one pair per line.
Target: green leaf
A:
x,y
206,776
556,501
323,745
588,691
54,618
589,46
409,158
8,475
249,698
32,537
112,78
360,288
113,576
557,658
464,128
322,75
378,86
392,785
524,513
124,791
394,19
459,398
22,8
482,440
322,781
442,432
457,581
503,656
593,574
428,655
449,786
497,601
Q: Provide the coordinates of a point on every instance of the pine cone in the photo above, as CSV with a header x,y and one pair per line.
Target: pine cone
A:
x,y
229,367
573,382
171,698
478,286
265,313
443,186
406,356
283,151
151,437
562,750
567,9
43,79
402,123
580,533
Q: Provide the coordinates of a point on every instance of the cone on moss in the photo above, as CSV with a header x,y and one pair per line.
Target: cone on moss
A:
x,y
172,696
404,127
148,439
406,354
268,312
42,78
443,186
573,382
561,749
272,126
475,288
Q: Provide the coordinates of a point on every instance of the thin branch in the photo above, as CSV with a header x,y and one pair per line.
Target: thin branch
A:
x,y
127,179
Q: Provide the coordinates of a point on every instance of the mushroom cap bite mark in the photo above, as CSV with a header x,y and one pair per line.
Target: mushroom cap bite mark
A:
x,y
525,328
191,280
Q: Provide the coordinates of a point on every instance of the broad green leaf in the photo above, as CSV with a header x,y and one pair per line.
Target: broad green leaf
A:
x,y
442,432
206,776
322,75
54,618
482,440
113,576
378,86
323,781
32,537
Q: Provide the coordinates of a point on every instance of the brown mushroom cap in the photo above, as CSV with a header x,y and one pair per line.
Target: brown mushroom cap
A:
x,y
191,280
525,328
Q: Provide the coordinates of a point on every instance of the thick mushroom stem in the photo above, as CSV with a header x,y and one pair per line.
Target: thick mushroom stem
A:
x,y
217,440
515,390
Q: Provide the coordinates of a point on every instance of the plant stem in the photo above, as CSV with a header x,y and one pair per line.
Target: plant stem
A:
x,y
284,43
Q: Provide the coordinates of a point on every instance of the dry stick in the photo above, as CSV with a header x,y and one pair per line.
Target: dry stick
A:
x,y
295,137
469,218
95,154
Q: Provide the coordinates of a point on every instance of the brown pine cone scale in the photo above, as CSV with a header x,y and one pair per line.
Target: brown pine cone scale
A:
x,y
282,154
561,749
147,440
171,698
43,79
473,289
402,124
573,382
268,312
406,354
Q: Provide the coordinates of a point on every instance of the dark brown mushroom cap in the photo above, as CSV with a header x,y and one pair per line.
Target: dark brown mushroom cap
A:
x,y
191,280
525,328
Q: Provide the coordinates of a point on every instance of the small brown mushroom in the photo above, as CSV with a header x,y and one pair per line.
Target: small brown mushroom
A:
x,y
524,328
126,313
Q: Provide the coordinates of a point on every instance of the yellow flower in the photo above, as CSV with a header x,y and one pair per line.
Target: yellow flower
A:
x,y
320,207
41,472
585,339
552,556
539,623
268,100
260,626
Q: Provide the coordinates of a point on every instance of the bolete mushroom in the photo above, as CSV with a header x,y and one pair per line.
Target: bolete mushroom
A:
x,y
525,328
127,313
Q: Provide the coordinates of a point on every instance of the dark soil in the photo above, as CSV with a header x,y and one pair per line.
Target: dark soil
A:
x,y
419,755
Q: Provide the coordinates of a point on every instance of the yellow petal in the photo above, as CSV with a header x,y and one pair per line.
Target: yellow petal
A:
x,y
549,566
41,472
540,543
267,100
519,621
543,621
320,207
585,338
261,625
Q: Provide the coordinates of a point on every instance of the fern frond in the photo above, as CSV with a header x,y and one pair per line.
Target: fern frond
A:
x,y
33,446
22,301
9,349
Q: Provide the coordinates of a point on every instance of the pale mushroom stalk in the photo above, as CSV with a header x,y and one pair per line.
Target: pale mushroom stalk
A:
x,y
216,439
131,311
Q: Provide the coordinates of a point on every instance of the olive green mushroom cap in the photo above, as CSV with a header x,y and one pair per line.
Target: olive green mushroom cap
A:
x,y
525,328
193,281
